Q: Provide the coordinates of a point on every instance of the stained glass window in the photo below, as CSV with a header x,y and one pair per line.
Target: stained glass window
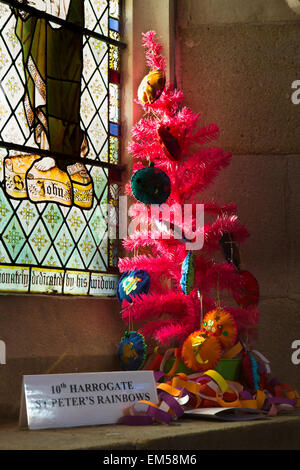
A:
x,y
59,145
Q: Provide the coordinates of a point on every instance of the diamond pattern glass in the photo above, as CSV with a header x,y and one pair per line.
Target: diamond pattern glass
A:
x,y
58,227
13,237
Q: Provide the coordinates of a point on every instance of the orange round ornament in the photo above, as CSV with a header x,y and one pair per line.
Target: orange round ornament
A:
x,y
221,324
201,351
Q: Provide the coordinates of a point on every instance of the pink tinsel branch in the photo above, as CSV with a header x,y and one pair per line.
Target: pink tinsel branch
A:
x,y
200,170
221,275
153,48
230,224
174,304
149,263
166,332
206,134
168,103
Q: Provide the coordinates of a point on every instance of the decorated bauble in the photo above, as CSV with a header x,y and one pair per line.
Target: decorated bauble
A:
x,y
201,351
132,351
230,249
187,273
133,283
168,143
248,294
151,86
221,324
150,185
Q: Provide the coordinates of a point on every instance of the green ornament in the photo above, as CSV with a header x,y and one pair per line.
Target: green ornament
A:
x,y
150,185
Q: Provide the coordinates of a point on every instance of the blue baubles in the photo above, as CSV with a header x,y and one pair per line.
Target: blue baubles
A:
x,y
132,351
133,283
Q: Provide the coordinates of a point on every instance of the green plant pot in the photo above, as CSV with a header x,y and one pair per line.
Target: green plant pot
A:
x,y
230,369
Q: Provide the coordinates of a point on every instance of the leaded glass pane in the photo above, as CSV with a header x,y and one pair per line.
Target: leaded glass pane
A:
x,y
54,212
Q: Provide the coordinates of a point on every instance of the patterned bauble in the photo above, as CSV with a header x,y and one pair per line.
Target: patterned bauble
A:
x,y
201,351
133,283
188,273
132,351
221,324
168,143
248,295
150,185
151,86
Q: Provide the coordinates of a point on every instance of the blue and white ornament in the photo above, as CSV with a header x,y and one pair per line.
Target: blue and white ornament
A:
x,y
132,284
132,351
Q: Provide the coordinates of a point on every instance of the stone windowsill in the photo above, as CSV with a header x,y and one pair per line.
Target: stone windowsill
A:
x,y
276,433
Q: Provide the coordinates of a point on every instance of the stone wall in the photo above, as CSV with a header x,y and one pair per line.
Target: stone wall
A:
x,y
52,334
236,61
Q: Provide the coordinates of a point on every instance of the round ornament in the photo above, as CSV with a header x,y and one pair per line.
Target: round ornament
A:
x,y
200,351
151,86
188,273
221,324
248,295
168,143
131,284
132,351
150,185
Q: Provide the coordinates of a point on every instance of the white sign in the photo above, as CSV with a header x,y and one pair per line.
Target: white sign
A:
x,y
85,399
46,280
14,279
76,283
103,284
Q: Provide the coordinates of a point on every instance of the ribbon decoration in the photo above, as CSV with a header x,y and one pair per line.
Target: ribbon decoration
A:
x,y
167,355
264,360
206,389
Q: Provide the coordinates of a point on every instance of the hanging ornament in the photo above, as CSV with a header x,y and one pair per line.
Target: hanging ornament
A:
x,y
151,86
230,250
168,142
248,295
188,273
131,284
221,324
132,351
150,185
201,351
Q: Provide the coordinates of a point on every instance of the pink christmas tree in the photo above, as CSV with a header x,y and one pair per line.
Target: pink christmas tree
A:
x,y
172,137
